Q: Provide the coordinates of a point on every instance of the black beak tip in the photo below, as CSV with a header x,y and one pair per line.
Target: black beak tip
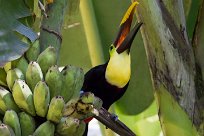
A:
x,y
126,44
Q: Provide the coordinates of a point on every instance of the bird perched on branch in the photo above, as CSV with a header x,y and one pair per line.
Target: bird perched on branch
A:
x,y
109,81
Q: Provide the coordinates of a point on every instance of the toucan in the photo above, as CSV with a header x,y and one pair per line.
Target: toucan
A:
x,y
109,81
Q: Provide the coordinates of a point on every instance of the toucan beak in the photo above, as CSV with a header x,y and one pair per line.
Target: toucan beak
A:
x,y
127,42
125,38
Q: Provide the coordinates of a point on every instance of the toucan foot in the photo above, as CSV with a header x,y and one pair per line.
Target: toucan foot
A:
x,y
114,117
81,92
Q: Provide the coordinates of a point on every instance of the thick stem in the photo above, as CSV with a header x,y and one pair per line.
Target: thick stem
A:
x,y
50,33
170,56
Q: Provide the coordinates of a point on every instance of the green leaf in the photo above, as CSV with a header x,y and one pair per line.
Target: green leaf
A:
x,y
140,122
11,46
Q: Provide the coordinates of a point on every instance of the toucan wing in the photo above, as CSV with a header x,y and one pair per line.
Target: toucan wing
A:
x,y
93,78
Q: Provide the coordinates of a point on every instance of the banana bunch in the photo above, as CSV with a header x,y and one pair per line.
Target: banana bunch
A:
x,y
83,107
38,99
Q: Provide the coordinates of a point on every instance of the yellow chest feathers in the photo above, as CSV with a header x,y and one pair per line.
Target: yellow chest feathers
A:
x,y
118,69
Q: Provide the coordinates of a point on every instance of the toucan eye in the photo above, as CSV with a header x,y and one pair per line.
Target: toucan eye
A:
x,y
111,47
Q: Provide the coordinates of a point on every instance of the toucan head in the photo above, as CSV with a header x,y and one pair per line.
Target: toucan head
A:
x,y
118,68
125,37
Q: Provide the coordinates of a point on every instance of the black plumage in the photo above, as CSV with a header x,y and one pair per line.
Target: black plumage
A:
x,y
96,83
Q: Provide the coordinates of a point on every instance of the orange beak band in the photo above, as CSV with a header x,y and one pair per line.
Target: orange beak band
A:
x,y
125,26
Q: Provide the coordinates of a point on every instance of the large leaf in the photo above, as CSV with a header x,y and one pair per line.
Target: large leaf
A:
x,y
11,47
140,122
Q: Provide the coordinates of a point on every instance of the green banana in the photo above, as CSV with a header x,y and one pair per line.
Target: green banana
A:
x,y
33,52
7,97
45,129
55,109
97,103
2,77
5,130
33,74
68,77
53,79
27,124
83,110
10,65
87,97
41,96
79,80
69,108
22,64
80,129
3,106
26,40
11,119
12,75
67,126
83,107
47,59
73,78
23,96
